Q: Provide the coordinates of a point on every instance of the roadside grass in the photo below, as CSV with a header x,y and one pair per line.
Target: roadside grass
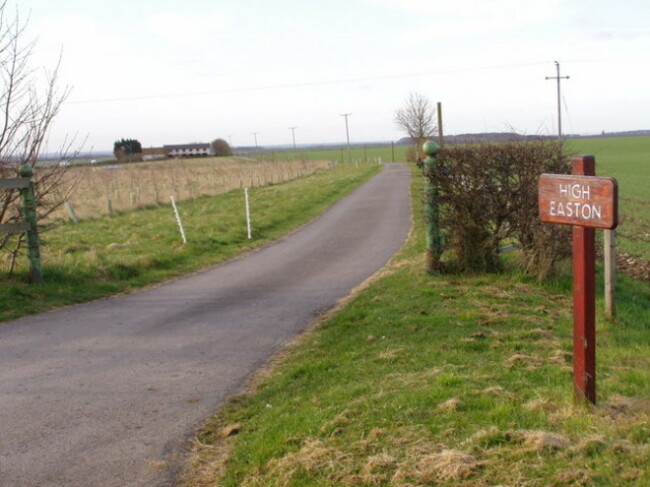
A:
x,y
441,381
108,255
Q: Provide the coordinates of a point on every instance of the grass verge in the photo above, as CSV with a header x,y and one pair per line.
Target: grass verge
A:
x,y
109,255
442,381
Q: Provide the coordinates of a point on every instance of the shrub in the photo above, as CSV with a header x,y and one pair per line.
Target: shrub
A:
x,y
488,196
221,148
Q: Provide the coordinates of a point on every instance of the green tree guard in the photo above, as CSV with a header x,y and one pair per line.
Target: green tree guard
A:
x,y
29,216
431,213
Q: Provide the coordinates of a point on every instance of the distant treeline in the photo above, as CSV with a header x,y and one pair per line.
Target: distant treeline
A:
x,y
487,137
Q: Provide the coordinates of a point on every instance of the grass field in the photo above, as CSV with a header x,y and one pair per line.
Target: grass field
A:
x,y
442,381
628,160
369,153
100,190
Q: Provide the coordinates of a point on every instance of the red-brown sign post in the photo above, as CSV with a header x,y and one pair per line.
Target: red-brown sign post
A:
x,y
586,202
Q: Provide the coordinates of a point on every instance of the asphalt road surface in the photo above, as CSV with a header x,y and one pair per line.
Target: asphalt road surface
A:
x,y
108,393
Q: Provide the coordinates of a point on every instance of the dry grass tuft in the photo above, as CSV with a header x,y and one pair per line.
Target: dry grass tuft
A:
x,y
622,404
209,463
538,441
481,435
543,333
313,457
230,430
592,444
338,422
543,404
494,391
560,357
520,359
444,466
390,354
377,470
452,404
574,477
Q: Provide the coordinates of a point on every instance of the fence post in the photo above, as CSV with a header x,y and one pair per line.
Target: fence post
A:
x,y
29,216
248,214
431,213
610,274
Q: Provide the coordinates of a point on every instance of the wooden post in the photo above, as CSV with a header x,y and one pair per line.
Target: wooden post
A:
x,y
178,219
610,274
30,216
248,214
585,202
431,211
584,300
71,212
440,134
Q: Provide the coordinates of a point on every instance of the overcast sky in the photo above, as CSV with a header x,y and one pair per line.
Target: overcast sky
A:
x,y
169,71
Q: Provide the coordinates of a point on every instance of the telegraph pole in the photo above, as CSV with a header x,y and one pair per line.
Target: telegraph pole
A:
x,y
559,104
347,132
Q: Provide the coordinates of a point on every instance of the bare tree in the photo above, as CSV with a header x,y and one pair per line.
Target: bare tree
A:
x,y
28,105
417,118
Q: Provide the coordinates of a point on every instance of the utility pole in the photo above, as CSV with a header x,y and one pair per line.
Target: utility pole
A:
x,y
293,135
347,133
559,98
255,135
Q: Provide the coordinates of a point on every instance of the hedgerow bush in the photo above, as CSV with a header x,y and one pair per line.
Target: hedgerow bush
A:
x,y
488,198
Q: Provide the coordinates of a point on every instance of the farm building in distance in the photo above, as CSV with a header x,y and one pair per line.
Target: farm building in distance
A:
x,y
153,153
167,151
188,150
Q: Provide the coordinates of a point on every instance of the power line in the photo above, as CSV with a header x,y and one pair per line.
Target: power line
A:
x,y
302,84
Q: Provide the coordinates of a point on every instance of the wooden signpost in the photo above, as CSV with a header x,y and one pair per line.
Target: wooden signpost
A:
x,y
29,224
586,202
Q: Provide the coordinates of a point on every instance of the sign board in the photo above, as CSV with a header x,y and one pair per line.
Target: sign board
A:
x,y
586,201
14,227
14,183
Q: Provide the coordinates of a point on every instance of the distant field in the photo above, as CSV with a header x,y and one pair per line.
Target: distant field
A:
x,y
628,160
103,188
372,153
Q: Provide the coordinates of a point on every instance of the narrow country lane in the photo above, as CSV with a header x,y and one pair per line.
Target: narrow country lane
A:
x,y
107,394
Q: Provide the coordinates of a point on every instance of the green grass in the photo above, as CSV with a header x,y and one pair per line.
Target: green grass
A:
x,y
442,381
100,257
357,153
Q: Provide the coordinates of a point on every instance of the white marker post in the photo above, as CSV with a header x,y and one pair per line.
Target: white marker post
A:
x,y
248,214
178,219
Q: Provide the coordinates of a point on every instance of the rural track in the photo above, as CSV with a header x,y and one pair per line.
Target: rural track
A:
x,y
109,393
